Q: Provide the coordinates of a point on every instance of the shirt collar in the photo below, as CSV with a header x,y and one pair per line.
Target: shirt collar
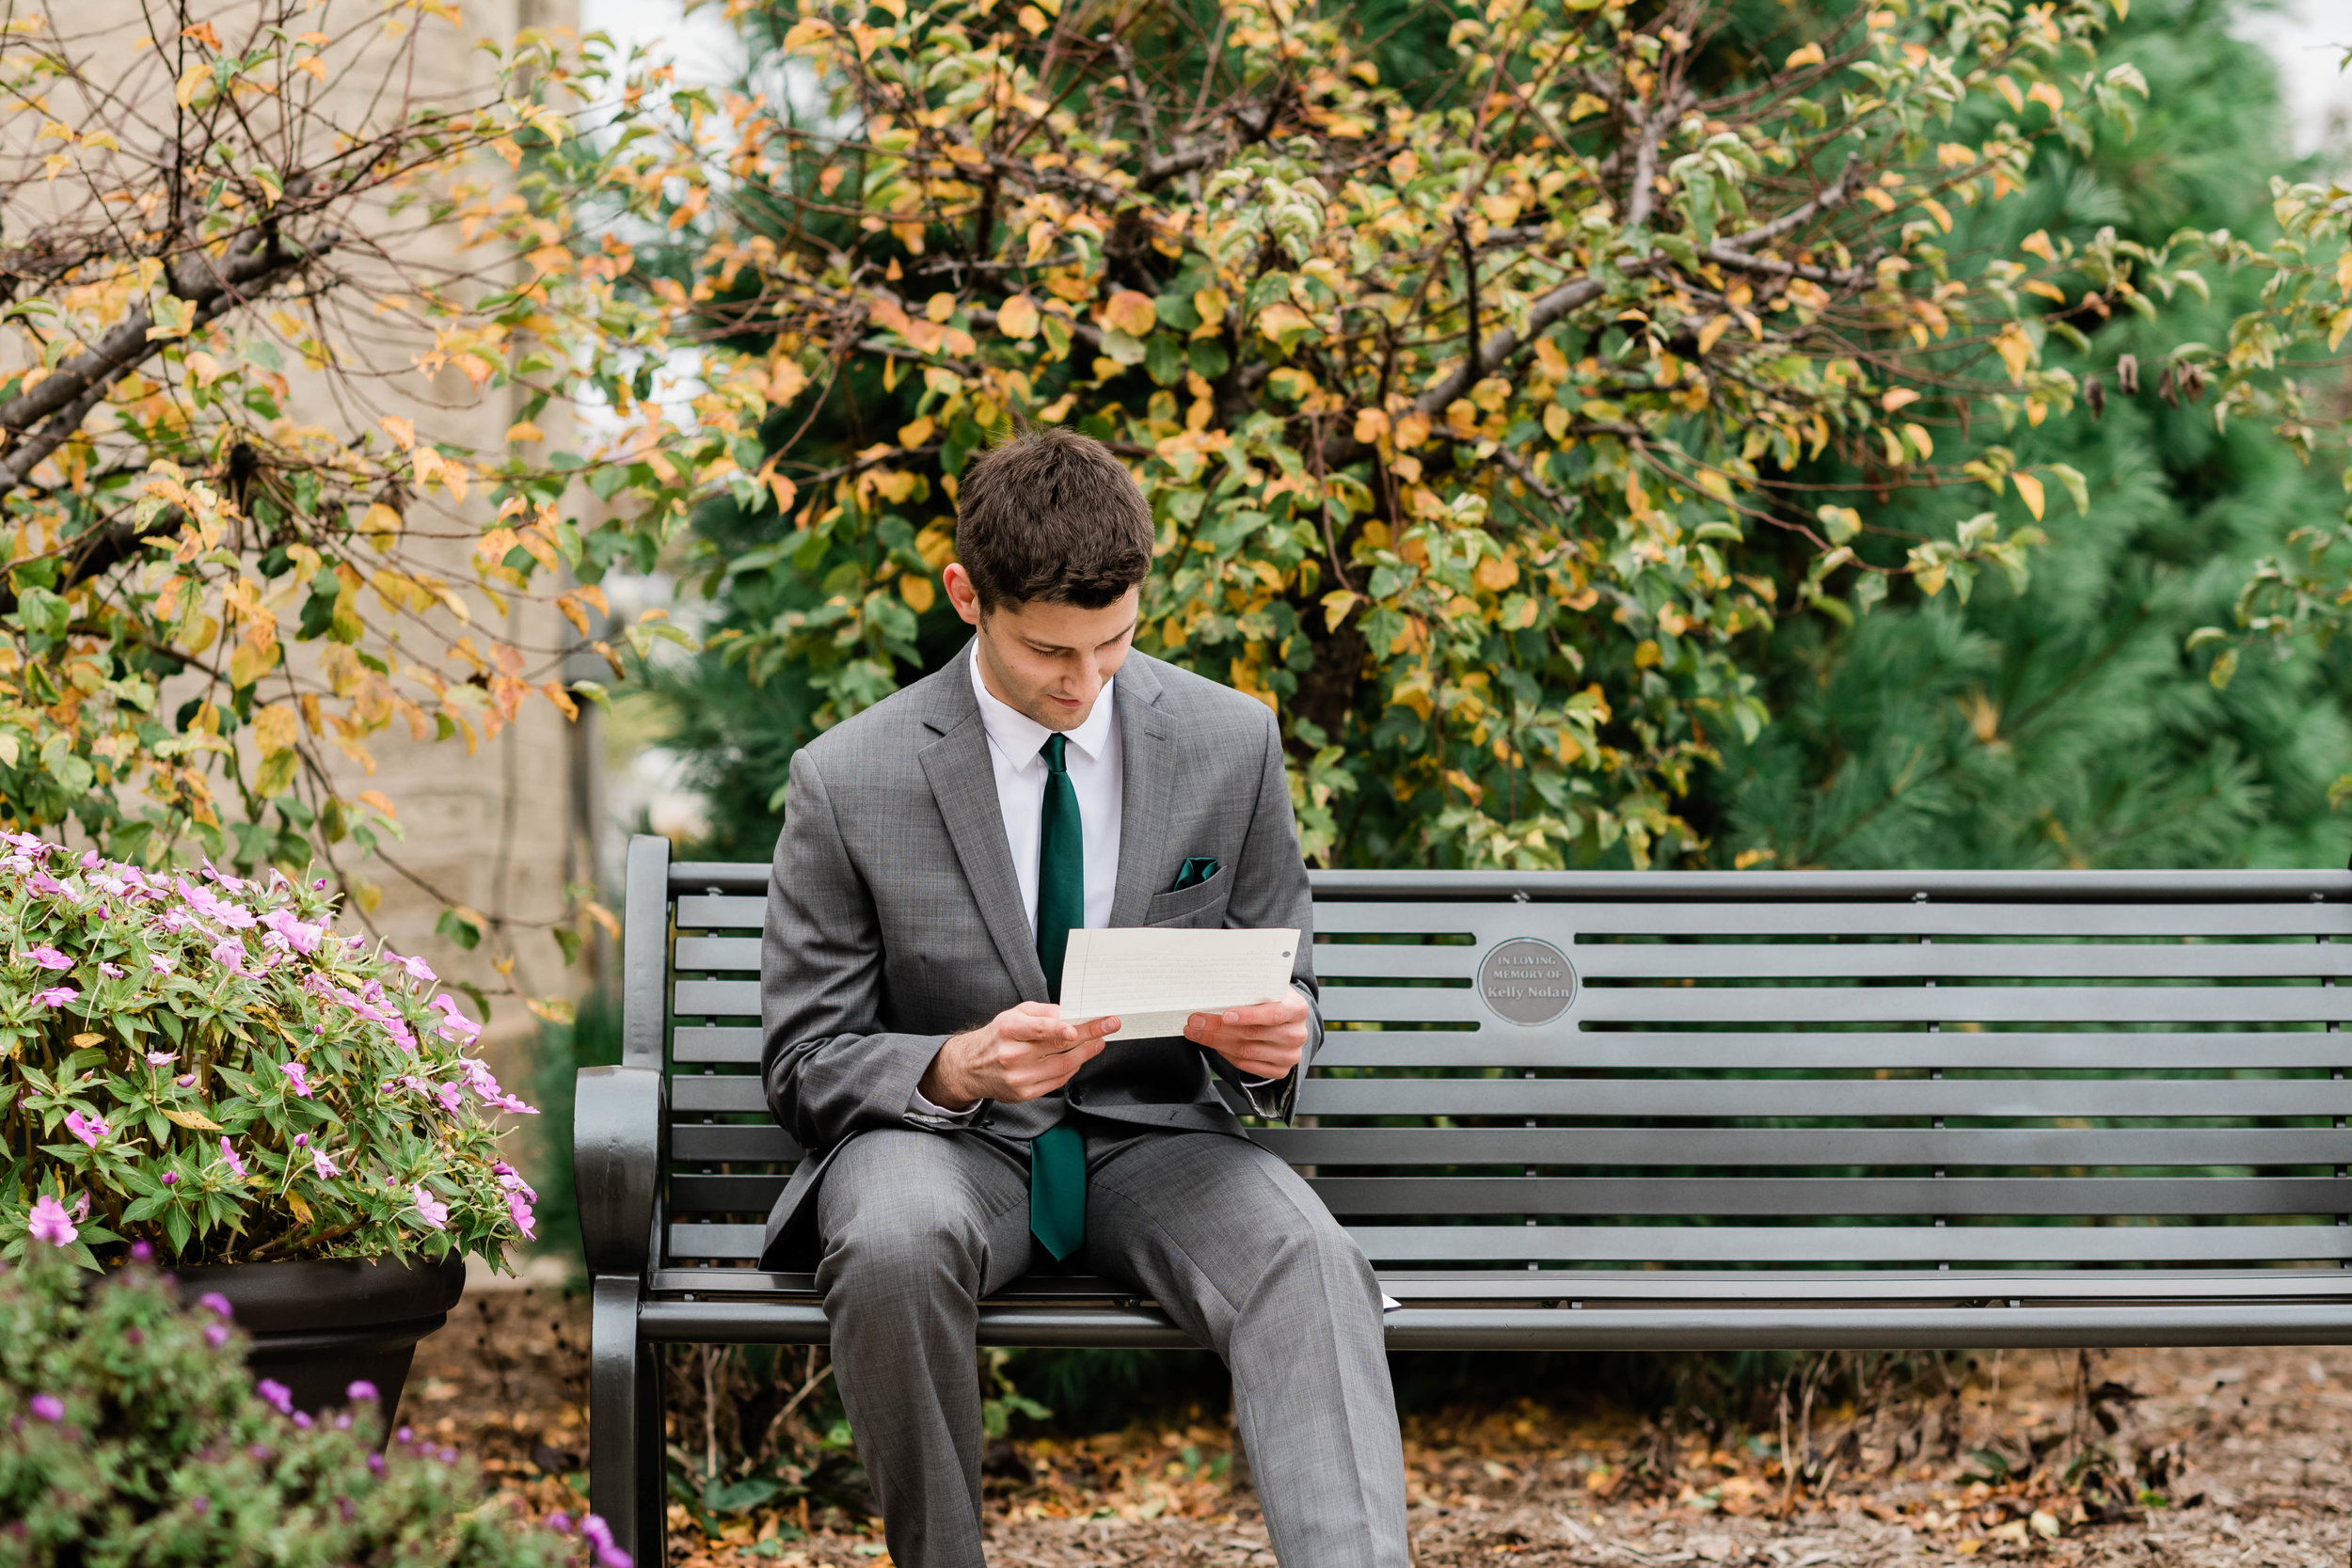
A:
x,y
1020,737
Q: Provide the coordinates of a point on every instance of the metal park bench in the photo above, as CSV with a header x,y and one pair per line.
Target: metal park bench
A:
x,y
1644,1111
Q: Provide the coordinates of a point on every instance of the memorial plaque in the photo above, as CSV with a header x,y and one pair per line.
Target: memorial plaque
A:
x,y
1527,981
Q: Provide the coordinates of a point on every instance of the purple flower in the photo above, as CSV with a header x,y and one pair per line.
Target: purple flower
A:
x,y
376,1463
215,1335
50,1223
90,1129
200,1504
302,1140
55,996
518,1209
185,1079
258,1451
290,934
212,1301
512,1179
559,1522
405,1433
319,886
230,954
299,1075
229,1154
302,1418
48,1407
434,1213
595,1528
160,964
172,1179
162,1058
142,1253
455,1025
450,1096
321,1164
418,969
112,972
276,1395
613,1557
361,1389
49,958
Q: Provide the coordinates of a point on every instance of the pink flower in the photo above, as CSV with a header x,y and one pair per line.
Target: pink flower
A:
x,y
49,958
55,996
286,933
512,1179
91,860
162,1058
299,1075
518,1209
455,1025
229,1154
51,1223
450,1096
112,972
160,964
418,969
90,1129
321,1164
47,1407
434,1213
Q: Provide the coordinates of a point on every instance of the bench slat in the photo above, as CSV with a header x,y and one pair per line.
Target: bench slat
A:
x,y
1564,923
2018,1004
1701,1195
692,1142
1799,1097
1607,961
1852,1244
1660,1244
1819,1096
702,911
716,953
2021,1004
716,1043
1503,1045
1822,1149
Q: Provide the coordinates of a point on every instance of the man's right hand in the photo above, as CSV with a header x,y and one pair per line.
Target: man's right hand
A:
x,y
1024,1053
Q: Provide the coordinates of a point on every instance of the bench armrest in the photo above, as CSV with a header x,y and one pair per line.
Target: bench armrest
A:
x,y
619,1130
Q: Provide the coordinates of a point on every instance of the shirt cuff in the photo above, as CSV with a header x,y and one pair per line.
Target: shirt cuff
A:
x,y
1262,1082
919,1106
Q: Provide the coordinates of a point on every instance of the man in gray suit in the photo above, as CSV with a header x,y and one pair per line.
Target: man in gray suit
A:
x,y
937,850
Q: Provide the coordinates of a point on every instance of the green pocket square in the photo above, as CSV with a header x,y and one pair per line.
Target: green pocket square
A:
x,y
1197,869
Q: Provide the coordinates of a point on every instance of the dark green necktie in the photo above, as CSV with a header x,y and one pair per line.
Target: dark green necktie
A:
x,y
1058,1157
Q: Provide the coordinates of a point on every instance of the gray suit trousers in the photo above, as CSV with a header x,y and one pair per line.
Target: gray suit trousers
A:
x,y
917,1226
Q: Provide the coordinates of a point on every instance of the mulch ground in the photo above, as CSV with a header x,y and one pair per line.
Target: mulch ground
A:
x,y
2150,1459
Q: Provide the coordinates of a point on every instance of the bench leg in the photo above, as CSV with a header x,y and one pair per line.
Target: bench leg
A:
x,y
626,1458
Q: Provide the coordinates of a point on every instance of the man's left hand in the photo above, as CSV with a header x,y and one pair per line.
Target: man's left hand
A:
x,y
1261,1042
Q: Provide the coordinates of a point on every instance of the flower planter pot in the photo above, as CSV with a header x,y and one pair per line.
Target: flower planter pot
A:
x,y
317,1326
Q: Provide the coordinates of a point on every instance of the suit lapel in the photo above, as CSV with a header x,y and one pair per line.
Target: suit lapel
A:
x,y
1146,758
963,784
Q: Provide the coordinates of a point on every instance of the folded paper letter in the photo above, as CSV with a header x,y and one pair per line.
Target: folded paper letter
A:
x,y
1153,978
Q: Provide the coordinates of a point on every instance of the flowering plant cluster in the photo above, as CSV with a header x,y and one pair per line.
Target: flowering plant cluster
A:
x,y
205,1063
131,1432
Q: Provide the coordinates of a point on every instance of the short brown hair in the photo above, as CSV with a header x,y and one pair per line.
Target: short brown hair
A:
x,y
1051,515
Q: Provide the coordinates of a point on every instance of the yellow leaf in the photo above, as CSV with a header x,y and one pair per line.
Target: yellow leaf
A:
x,y
1810,54
403,431
2341,323
302,1209
377,801
195,1121
1335,607
2037,244
1032,20
2047,95
1710,332
274,728
1017,317
86,1040
1495,574
1586,104
2029,489
1412,430
917,592
2016,351
184,94
1370,425
1918,439
1901,397
1646,653
381,524
1131,313
523,430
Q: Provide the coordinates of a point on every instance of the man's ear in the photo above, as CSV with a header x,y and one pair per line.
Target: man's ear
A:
x,y
962,593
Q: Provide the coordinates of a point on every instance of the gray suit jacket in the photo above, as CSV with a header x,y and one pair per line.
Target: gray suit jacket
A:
x,y
893,919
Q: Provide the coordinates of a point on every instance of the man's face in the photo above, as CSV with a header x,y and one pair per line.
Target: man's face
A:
x,y
1047,660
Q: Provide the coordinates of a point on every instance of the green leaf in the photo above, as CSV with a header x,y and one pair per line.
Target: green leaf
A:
x,y
459,930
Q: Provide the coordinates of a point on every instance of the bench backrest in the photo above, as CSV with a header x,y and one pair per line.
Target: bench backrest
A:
x,y
1708,1070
